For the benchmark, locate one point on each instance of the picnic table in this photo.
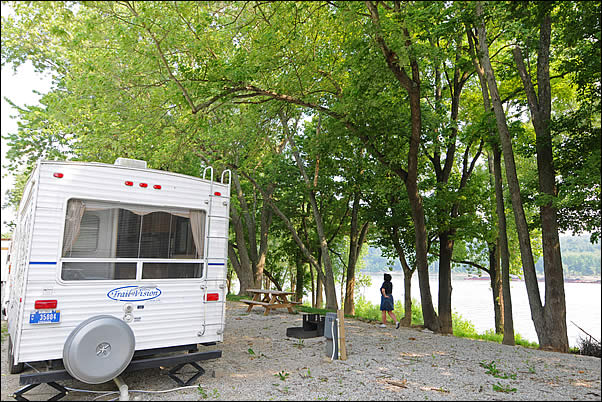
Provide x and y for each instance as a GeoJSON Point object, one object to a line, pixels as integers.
{"type": "Point", "coordinates": [270, 300]}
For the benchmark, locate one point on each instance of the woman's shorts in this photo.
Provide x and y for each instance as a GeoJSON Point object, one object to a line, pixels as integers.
{"type": "Point", "coordinates": [386, 303]}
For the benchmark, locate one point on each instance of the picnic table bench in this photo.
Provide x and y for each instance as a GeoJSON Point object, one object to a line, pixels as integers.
{"type": "Point", "coordinates": [270, 300]}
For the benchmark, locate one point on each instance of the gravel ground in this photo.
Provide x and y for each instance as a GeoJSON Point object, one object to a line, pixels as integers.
{"type": "Point", "coordinates": [382, 364]}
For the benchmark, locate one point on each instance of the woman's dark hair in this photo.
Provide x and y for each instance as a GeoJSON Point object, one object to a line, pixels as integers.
{"type": "Point", "coordinates": [387, 278]}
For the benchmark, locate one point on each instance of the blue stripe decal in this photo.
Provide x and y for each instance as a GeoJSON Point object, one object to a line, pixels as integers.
{"type": "Point", "coordinates": [216, 263]}
{"type": "Point", "coordinates": [41, 263]}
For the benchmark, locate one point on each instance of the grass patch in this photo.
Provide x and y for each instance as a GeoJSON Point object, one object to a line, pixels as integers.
{"type": "Point", "coordinates": [503, 388]}
{"type": "Point", "coordinates": [233, 297]}
{"type": "Point", "coordinates": [4, 330]}
{"type": "Point", "coordinates": [465, 329]}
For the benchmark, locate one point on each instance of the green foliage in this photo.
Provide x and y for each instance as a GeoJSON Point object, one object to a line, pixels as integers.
{"type": "Point", "coordinates": [283, 375]}
{"type": "Point", "coordinates": [493, 370]}
{"type": "Point", "coordinates": [465, 329]}
{"type": "Point", "coordinates": [14, 194]}
{"type": "Point", "coordinates": [503, 388]}
{"type": "Point", "coordinates": [214, 393]}
{"type": "Point", "coordinates": [366, 310]}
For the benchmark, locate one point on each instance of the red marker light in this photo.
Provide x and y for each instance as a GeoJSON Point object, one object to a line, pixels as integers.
{"type": "Point", "coordinates": [143, 185]}
{"type": "Point", "coordinates": [129, 183]}
{"type": "Point", "coordinates": [212, 297]}
{"type": "Point", "coordinates": [58, 175]}
{"type": "Point", "coordinates": [217, 193]}
{"type": "Point", "coordinates": [45, 304]}
{"type": "Point", "coordinates": [157, 187]}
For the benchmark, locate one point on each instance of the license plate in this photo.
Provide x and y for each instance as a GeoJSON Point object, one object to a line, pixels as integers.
{"type": "Point", "coordinates": [47, 317]}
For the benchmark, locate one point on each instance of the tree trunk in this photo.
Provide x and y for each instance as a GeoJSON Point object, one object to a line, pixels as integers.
{"type": "Point", "coordinates": [300, 278]}
{"type": "Point", "coordinates": [356, 240]}
{"type": "Point", "coordinates": [496, 287]}
{"type": "Point", "coordinates": [319, 292]}
{"type": "Point", "coordinates": [513, 185]}
{"type": "Point", "coordinates": [446, 247]}
{"type": "Point", "coordinates": [268, 277]}
{"type": "Point", "coordinates": [407, 278]}
{"type": "Point", "coordinates": [504, 252]}
{"type": "Point", "coordinates": [229, 281]}
{"type": "Point", "coordinates": [246, 242]}
{"type": "Point", "coordinates": [265, 223]}
{"type": "Point", "coordinates": [406, 321]}
{"type": "Point", "coordinates": [313, 286]}
{"type": "Point", "coordinates": [431, 321]}
{"type": "Point", "coordinates": [245, 276]}
{"type": "Point", "coordinates": [249, 254]}
{"type": "Point", "coordinates": [554, 331]}
{"type": "Point", "coordinates": [241, 263]}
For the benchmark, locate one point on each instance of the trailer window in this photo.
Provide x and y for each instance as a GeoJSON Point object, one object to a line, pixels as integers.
{"type": "Point", "coordinates": [73, 271]}
{"type": "Point", "coordinates": [170, 270]}
{"type": "Point", "coordinates": [110, 232]}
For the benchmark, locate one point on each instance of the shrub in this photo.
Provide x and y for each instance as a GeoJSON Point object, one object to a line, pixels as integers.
{"type": "Point", "coordinates": [588, 346]}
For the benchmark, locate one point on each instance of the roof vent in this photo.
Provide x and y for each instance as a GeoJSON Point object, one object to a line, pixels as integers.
{"type": "Point", "coordinates": [134, 163]}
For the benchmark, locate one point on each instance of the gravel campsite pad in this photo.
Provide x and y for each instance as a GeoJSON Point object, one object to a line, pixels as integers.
{"type": "Point", "coordinates": [259, 362]}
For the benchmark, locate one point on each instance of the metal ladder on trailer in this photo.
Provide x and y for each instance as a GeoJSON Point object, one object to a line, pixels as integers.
{"type": "Point", "coordinates": [212, 198]}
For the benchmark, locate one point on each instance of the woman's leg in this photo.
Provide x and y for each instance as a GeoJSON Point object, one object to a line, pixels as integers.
{"type": "Point", "coordinates": [384, 317]}
{"type": "Point", "coordinates": [392, 315]}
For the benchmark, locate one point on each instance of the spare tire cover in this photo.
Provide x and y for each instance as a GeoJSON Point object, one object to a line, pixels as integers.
{"type": "Point", "coordinates": [99, 349]}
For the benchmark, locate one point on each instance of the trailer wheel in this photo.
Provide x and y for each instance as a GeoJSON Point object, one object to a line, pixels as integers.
{"type": "Point", "coordinates": [13, 368]}
{"type": "Point", "coordinates": [99, 349]}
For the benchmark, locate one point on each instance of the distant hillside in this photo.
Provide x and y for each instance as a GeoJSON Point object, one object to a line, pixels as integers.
{"type": "Point", "coordinates": [375, 262]}
{"type": "Point", "coordinates": [579, 258]}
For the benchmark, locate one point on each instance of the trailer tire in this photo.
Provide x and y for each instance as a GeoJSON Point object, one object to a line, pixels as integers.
{"type": "Point", "coordinates": [99, 349]}
{"type": "Point", "coordinates": [13, 368]}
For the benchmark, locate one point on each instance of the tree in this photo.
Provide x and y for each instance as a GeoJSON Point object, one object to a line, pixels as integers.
{"type": "Point", "coordinates": [540, 105]}
{"type": "Point", "coordinates": [551, 332]}
{"type": "Point", "coordinates": [495, 171]}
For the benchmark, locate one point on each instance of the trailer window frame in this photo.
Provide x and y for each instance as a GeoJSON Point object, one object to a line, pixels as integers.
{"type": "Point", "coordinates": [173, 266]}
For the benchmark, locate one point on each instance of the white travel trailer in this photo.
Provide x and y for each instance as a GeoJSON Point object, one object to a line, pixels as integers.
{"type": "Point", "coordinates": [109, 260]}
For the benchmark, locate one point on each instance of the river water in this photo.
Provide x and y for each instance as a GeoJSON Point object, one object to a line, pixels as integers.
{"type": "Point", "coordinates": [471, 298]}
{"type": "Point", "coordinates": [473, 301]}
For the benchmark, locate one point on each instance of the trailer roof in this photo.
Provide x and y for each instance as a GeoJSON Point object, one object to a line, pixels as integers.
{"type": "Point", "coordinates": [99, 164]}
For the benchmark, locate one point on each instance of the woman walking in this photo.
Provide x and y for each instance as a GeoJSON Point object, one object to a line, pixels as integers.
{"type": "Point", "coordinates": [386, 302]}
